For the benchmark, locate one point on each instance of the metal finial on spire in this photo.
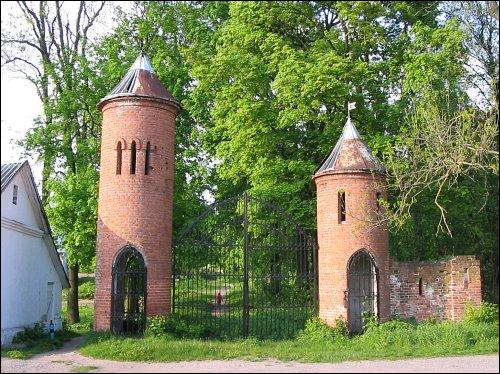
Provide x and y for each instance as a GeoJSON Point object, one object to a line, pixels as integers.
{"type": "Point", "coordinates": [350, 106]}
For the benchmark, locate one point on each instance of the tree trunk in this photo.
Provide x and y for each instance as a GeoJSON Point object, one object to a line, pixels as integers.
{"type": "Point", "coordinates": [73, 312]}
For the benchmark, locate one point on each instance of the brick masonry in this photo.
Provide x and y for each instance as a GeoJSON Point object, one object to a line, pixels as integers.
{"type": "Point", "coordinates": [447, 286]}
{"type": "Point", "coordinates": [339, 241]}
{"type": "Point", "coordinates": [135, 208]}
{"type": "Point", "coordinates": [439, 289]}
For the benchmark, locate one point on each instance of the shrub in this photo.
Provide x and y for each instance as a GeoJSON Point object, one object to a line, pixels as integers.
{"type": "Point", "coordinates": [396, 323]}
{"type": "Point", "coordinates": [30, 334]}
{"type": "Point", "coordinates": [485, 313]}
{"type": "Point", "coordinates": [315, 329]}
{"type": "Point", "coordinates": [86, 290]}
{"type": "Point", "coordinates": [176, 325]}
{"type": "Point", "coordinates": [156, 325]}
{"type": "Point", "coordinates": [431, 320]}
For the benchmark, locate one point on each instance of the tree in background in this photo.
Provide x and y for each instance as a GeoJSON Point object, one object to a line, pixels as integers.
{"type": "Point", "coordinates": [264, 88]}
{"type": "Point", "coordinates": [51, 50]}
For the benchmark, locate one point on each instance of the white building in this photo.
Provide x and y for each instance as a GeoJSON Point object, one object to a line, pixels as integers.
{"type": "Point", "coordinates": [32, 274]}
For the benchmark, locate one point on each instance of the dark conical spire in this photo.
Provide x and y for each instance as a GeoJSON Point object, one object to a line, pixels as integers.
{"type": "Point", "coordinates": [141, 80]}
{"type": "Point", "coordinates": [350, 154]}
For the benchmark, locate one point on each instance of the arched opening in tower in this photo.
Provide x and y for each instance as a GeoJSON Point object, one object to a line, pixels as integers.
{"type": "Point", "coordinates": [362, 283]}
{"type": "Point", "coordinates": [128, 303]}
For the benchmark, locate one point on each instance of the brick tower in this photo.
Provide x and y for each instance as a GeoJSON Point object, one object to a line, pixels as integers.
{"type": "Point", "coordinates": [353, 256]}
{"type": "Point", "coordinates": [134, 229]}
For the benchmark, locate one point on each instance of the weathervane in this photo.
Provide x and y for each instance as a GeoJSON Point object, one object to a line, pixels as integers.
{"type": "Point", "coordinates": [350, 106]}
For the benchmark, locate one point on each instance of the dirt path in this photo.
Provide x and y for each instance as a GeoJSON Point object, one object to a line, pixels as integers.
{"type": "Point", "coordinates": [67, 360]}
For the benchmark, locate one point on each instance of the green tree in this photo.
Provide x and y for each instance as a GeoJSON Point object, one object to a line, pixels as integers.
{"type": "Point", "coordinates": [66, 137]}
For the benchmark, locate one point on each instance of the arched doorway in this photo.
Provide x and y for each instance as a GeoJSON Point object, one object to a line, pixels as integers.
{"type": "Point", "coordinates": [128, 304]}
{"type": "Point", "coordinates": [362, 282]}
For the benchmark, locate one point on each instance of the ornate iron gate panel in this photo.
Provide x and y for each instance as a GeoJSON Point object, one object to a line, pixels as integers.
{"type": "Point", "coordinates": [128, 303]}
{"type": "Point", "coordinates": [244, 267]}
{"type": "Point", "coordinates": [362, 283]}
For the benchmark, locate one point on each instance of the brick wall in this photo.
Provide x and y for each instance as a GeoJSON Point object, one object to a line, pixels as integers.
{"type": "Point", "coordinates": [339, 241]}
{"type": "Point", "coordinates": [446, 287]}
{"type": "Point", "coordinates": [135, 208]}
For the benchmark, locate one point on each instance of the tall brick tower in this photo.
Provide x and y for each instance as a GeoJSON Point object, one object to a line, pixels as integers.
{"type": "Point", "coordinates": [134, 229]}
{"type": "Point", "coordinates": [353, 256]}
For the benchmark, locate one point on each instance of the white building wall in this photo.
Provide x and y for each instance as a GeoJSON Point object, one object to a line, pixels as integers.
{"type": "Point", "coordinates": [26, 269]}
{"type": "Point", "coordinates": [23, 211]}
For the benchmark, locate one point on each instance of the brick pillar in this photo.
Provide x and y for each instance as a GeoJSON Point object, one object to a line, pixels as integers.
{"type": "Point", "coordinates": [339, 241]}
{"type": "Point", "coordinates": [136, 209]}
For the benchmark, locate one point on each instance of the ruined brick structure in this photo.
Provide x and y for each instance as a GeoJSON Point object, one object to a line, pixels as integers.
{"type": "Point", "coordinates": [355, 274]}
{"type": "Point", "coordinates": [135, 189]}
{"type": "Point", "coordinates": [441, 289]}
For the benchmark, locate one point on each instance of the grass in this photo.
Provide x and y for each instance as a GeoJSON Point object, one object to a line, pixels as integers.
{"type": "Point", "coordinates": [391, 340]}
{"type": "Point", "coordinates": [44, 344]}
{"type": "Point", "coordinates": [38, 346]}
{"type": "Point", "coordinates": [442, 339]}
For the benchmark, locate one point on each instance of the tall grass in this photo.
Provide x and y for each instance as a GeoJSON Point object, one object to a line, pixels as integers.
{"type": "Point", "coordinates": [394, 340]}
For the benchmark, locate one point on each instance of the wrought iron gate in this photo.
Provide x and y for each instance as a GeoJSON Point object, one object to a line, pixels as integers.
{"type": "Point", "coordinates": [128, 302]}
{"type": "Point", "coordinates": [362, 284]}
{"type": "Point", "coordinates": [244, 267]}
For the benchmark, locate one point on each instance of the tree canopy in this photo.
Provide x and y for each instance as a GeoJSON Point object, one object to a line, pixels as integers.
{"type": "Point", "coordinates": [264, 88]}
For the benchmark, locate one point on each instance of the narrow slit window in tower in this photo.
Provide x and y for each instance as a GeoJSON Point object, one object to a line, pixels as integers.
{"type": "Point", "coordinates": [148, 157]}
{"type": "Point", "coordinates": [341, 206]}
{"type": "Point", "coordinates": [420, 286]}
{"type": "Point", "coordinates": [378, 202]}
{"type": "Point", "coordinates": [119, 158]}
{"type": "Point", "coordinates": [132, 158]}
{"type": "Point", "coordinates": [466, 279]}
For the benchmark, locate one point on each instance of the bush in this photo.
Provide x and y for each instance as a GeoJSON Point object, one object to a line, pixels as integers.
{"type": "Point", "coordinates": [176, 325]}
{"type": "Point", "coordinates": [315, 329]}
{"type": "Point", "coordinates": [86, 290]}
{"type": "Point", "coordinates": [485, 313]}
{"type": "Point", "coordinates": [156, 325]}
{"type": "Point", "coordinates": [30, 334]}
{"type": "Point", "coordinates": [395, 324]}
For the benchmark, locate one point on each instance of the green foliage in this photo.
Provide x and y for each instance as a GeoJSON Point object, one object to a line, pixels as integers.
{"type": "Point", "coordinates": [156, 325]}
{"type": "Point", "coordinates": [86, 290]}
{"type": "Point", "coordinates": [31, 334]}
{"type": "Point", "coordinates": [405, 340]}
{"type": "Point", "coordinates": [395, 324]}
{"type": "Point", "coordinates": [36, 340]}
{"type": "Point", "coordinates": [86, 321]}
{"type": "Point", "coordinates": [175, 325]}
{"type": "Point", "coordinates": [485, 313]}
{"type": "Point", "coordinates": [316, 330]}
{"type": "Point", "coordinates": [14, 353]}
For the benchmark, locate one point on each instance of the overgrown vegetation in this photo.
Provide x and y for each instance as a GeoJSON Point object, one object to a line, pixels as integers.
{"type": "Point", "coordinates": [34, 340]}
{"type": "Point", "coordinates": [486, 313]}
{"type": "Point", "coordinates": [86, 290]}
{"type": "Point", "coordinates": [315, 343]}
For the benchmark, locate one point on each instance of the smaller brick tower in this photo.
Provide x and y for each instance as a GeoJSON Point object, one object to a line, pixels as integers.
{"type": "Point", "coordinates": [353, 256]}
{"type": "Point", "coordinates": [134, 229]}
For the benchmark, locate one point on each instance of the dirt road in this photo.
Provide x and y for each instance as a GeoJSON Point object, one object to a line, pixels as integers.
{"type": "Point", "coordinates": [68, 360]}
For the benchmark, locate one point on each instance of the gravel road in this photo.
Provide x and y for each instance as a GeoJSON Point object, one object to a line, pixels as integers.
{"type": "Point", "coordinates": [67, 359]}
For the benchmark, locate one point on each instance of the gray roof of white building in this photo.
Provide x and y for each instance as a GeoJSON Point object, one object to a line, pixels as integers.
{"type": "Point", "coordinates": [8, 172]}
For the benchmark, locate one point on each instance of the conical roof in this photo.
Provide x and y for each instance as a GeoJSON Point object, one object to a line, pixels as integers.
{"type": "Point", "coordinates": [140, 80]}
{"type": "Point", "coordinates": [350, 154]}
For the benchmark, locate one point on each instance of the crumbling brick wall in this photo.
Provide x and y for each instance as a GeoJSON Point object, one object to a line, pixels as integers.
{"type": "Point", "coordinates": [440, 289]}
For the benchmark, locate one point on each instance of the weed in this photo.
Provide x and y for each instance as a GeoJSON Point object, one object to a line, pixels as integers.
{"type": "Point", "coordinates": [485, 313]}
